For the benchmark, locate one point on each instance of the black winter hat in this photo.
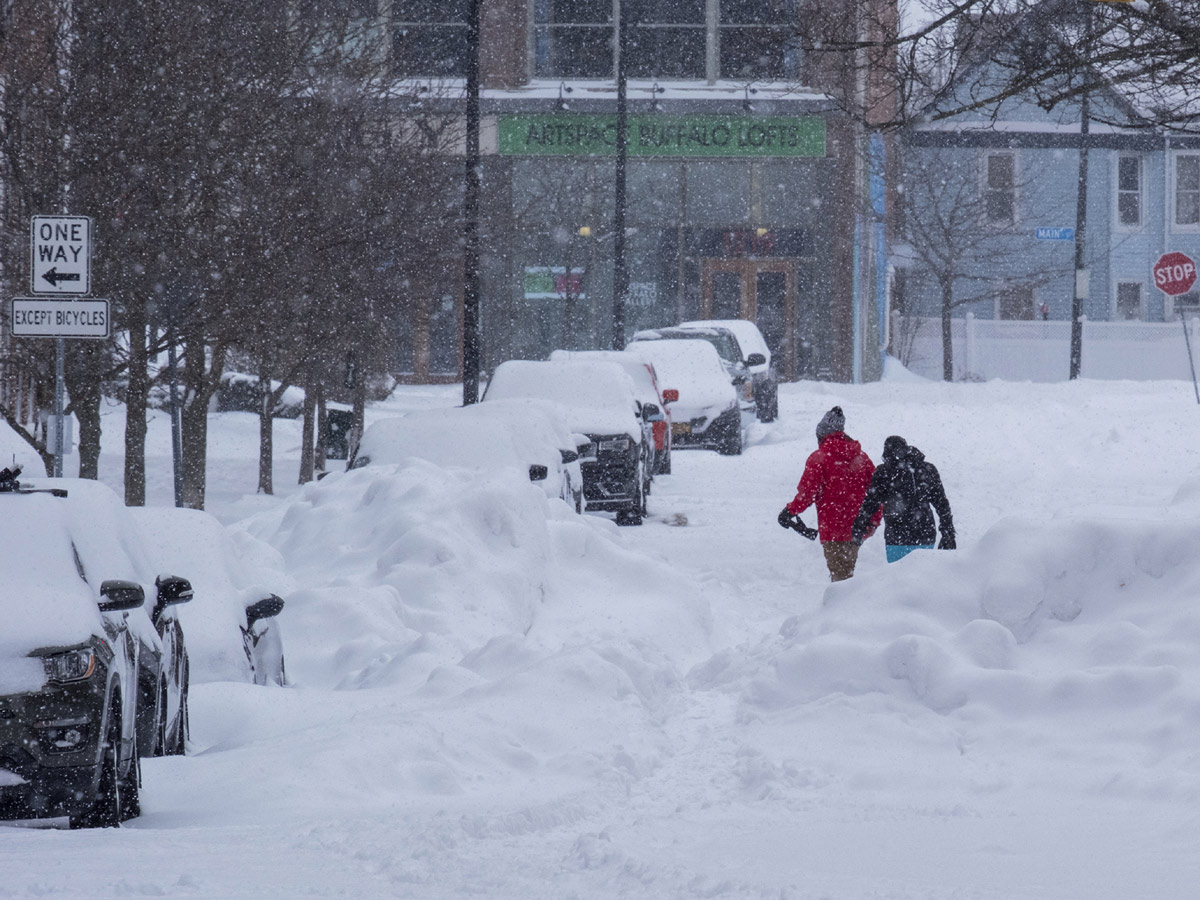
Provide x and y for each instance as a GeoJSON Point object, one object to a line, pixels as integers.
{"type": "Point", "coordinates": [834, 420]}
{"type": "Point", "coordinates": [895, 447]}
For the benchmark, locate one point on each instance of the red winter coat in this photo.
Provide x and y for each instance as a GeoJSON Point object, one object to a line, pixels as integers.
{"type": "Point", "coordinates": [836, 478]}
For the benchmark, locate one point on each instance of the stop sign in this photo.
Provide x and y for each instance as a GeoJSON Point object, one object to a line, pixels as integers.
{"type": "Point", "coordinates": [1175, 273]}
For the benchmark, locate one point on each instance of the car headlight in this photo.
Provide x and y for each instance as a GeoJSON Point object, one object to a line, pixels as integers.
{"type": "Point", "coordinates": [74, 665]}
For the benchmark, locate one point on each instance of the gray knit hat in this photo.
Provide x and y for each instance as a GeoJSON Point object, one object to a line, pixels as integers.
{"type": "Point", "coordinates": [834, 420]}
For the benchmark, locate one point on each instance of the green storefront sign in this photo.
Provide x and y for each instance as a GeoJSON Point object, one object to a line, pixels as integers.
{"type": "Point", "coordinates": [719, 136]}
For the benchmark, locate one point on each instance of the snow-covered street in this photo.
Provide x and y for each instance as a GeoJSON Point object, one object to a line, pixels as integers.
{"type": "Point", "coordinates": [495, 698]}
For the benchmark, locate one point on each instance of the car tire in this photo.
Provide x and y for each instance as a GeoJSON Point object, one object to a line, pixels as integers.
{"type": "Point", "coordinates": [129, 799]}
{"type": "Point", "coordinates": [161, 735]}
{"type": "Point", "coordinates": [634, 516]}
{"type": "Point", "coordinates": [730, 443]}
{"type": "Point", "coordinates": [106, 809]}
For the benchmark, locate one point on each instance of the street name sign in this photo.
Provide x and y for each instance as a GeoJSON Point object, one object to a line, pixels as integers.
{"type": "Point", "coordinates": [42, 317]}
{"type": "Point", "coordinates": [61, 255]}
{"type": "Point", "coordinates": [1054, 234]}
{"type": "Point", "coordinates": [1174, 273]}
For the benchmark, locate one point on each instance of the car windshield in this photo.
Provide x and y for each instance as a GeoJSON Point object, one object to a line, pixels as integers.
{"type": "Point", "coordinates": [725, 345]}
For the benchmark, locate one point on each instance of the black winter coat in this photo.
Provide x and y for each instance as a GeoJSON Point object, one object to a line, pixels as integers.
{"type": "Point", "coordinates": [909, 489]}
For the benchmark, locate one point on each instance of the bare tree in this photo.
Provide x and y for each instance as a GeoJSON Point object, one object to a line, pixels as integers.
{"type": "Point", "coordinates": [958, 236]}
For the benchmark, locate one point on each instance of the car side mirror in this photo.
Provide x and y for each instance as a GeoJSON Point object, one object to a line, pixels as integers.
{"type": "Point", "coordinates": [268, 606]}
{"type": "Point", "coordinates": [651, 412]}
{"type": "Point", "coordinates": [538, 472]}
{"type": "Point", "coordinates": [117, 595]}
{"type": "Point", "coordinates": [756, 359]}
{"type": "Point", "coordinates": [173, 589]}
{"type": "Point", "coordinates": [670, 395]}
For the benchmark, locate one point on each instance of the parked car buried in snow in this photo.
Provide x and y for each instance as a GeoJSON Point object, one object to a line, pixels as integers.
{"type": "Point", "coordinates": [599, 400]}
{"type": "Point", "coordinates": [87, 685]}
{"type": "Point", "coordinates": [654, 410]}
{"type": "Point", "coordinates": [743, 352]}
{"type": "Point", "coordinates": [526, 439]}
{"type": "Point", "coordinates": [704, 405]}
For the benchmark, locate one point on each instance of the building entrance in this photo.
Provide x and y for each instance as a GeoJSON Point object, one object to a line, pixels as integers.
{"type": "Point", "coordinates": [761, 290]}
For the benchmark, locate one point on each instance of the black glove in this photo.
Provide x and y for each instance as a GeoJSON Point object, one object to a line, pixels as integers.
{"type": "Point", "coordinates": [785, 518]}
{"type": "Point", "coordinates": [804, 530]}
{"type": "Point", "coordinates": [947, 541]}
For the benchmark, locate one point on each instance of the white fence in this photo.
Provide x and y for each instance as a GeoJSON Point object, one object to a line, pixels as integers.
{"type": "Point", "coordinates": [1040, 350]}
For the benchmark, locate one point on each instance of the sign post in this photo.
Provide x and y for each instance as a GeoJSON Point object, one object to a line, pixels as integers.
{"type": "Point", "coordinates": [1175, 274]}
{"type": "Point", "coordinates": [60, 264]}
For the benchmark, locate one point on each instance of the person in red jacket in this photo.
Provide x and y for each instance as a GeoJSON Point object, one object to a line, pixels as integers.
{"type": "Point", "coordinates": [836, 477]}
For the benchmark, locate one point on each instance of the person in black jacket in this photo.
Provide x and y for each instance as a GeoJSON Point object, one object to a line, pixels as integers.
{"type": "Point", "coordinates": [910, 491]}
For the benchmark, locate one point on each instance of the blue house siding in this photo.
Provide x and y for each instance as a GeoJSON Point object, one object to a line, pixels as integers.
{"type": "Point", "coordinates": [1007, 265]}
{"type": "Point", "coordinates": [1047, 165]}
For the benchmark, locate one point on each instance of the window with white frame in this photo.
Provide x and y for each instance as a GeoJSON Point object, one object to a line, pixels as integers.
{"type": "Point", "coordinates": [999, 189]}
{"type": "Point", "coordinates": [666, 38]}
{"type": "Point", "coordinates": [429, 37]}
{"type": "Point", "coordinates": [1129, 301]}
{"type": "Point", "coordinates": [1129, 191]}
{"type": "Point", "coordinates": [1187, 189]}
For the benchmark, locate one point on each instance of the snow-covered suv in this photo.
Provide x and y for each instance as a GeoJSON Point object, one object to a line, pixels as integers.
{"type": "Point", "coordinates": [744, 353]}
{"type": "Point", "coordinates": [86, 683]}
{"type": "Point", "coordinates": [600, 401]}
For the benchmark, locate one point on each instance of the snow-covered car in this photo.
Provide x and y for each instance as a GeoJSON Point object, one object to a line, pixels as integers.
{"type": "Point", "coordinates": [233, 630]}
{"type": "Point", "coordinates": [654, 411]}
{"type": "Point", "coordinates": [704, 405]}
{"type": "Point", "coordinates": [87, 685]}
{"type": "Point", "coordinates": [743, 352]}
{"type": "Point", "coordinates": [527, 439]}
{"type": "Point", "coordinates": [600, 401]}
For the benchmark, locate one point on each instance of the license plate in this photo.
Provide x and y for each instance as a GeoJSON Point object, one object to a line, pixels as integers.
{"type": "Point", "coordinates": [681, 428]}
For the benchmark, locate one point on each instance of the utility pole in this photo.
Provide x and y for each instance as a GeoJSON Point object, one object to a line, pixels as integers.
{"type": "Point", "coordinates": [1082, 276]}
{"type": "Point", "coordinates": [620, 273]}
{"type": "Point", "coordinates": [471, 342]}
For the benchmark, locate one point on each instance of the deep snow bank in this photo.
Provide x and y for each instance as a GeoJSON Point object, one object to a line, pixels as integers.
{"type": "Point", "coordinates": [1091, 624]}
{"type": "Point", "coordinates": [423, 577]}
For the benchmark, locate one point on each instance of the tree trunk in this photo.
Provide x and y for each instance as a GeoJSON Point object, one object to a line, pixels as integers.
{"type": "Point", "coordinates": [135, 414]}
{"type": "Point", "coordinates": [265, 436]}
{"type": "Point", "coordinates": [309, 427]}
{"type": "Point", "coordinates": [947, 343]}
{"type": "Point", "coordinates": [356, 427]}
{"type": "Point", "coordinates": [320, 457]}
{"type": "Point", "coordinates": [201, 378]}
{"type": "Point", "coordinates": [82, 376]}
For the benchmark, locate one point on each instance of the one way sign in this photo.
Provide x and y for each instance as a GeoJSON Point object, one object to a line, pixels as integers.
{"type": "Point", "coordinates": [61, 248]}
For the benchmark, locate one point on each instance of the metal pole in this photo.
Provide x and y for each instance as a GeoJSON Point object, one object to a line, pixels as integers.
{"type": "Point", "coordinates": [471, 342]}
{"type": "Point", "coordinates": [1192, 365]}
{"type": "Point", "coordinates": [1082, 286]}
{"type": "Point", "coordinates": [620, 273]}
{"type": "Point", "coordinates": [59, 391]}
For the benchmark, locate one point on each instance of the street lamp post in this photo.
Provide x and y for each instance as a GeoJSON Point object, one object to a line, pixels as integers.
{"type": "Point", "coordinates": [1082, 286]}
{"type": "Point", "coordinates": [620, 273]}
{"type": "Point", "coordinates": [471, 342]}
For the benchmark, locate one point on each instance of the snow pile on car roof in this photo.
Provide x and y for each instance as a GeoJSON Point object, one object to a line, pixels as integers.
{"type": "Point", "coordinates": [423, 577]}
{"type": "Point", "coordinates": [691, 367]}
{"type": "Point", "coordinates": [597, 397]}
